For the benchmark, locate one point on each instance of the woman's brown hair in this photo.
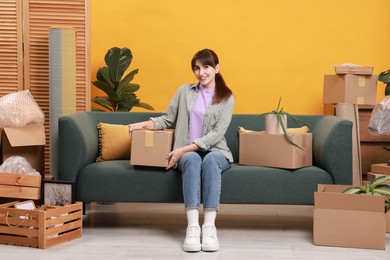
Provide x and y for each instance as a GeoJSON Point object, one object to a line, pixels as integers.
{"type": "Point", "coordinates": [209, 57]}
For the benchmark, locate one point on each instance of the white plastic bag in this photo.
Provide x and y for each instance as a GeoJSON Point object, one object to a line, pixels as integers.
{"type": "Point", "coordinates": [380, 118]}
{"type": "Point", "coordinates": [17, 164]}
{"type": "Point", "coordinates": [19, 109]}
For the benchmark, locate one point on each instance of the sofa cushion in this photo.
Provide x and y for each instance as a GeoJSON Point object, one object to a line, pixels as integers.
{"type": "Point", "coordinates": [114, 142]}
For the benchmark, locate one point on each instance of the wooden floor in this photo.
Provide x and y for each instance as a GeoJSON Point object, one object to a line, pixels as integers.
{"type": "Point", "coordinates": [156, 231]}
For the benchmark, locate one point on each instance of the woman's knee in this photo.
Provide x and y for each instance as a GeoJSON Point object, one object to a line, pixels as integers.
{"type": "Point", "coordinates": [190, 159]}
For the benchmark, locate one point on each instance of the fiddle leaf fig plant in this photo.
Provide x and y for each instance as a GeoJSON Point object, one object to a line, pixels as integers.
{"type": "Point", "coordinates": [279, 112]}
{"type": "Point", "coordinates": [374, 187]}
{"type": "Point", "coordinates": [384, 77]}
{"type": "Point", "coordinates": [118, 88]}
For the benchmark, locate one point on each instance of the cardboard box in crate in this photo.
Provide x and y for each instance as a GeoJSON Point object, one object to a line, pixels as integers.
{"type": "Point", "coordinates": [20, 186]}
{"type": "Point", "coordinates": [40, 228]}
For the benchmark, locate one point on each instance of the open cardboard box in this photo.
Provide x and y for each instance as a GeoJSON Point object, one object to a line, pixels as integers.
{"type": "Point", "coordinates": [348, 220]}
{"type": "Point", "coordinates": [28, 142]}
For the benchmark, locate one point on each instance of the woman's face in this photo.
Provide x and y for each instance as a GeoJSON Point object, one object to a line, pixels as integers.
{"type": "Point", "coordinates": [205, 74]}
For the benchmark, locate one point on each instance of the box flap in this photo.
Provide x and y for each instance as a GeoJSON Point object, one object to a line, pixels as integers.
{"type": "Point", "coordinates": [25, 136]}
{"type": "Point", "coordinates": [355, 202]}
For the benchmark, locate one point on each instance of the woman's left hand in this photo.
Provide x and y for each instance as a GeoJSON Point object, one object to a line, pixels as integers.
{"type": "Point", "coordinates": [173, 157]}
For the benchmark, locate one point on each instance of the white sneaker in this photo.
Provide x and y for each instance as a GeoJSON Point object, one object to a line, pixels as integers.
{"type": "Point", "coordinates": [192, 240]}
{"type": "Point", "coordinates": [209, 238]}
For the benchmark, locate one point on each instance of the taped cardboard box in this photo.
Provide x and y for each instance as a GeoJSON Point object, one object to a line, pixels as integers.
{"type": "Point", "coordinates": [353, 89]}
{"type": "Point", "coordinates": [150, 148]}
{"type": "Point", "coordinates": [273, 150]}
{"type": "Point", "coordinates": [348, 220]}
{"type": "Point", "coordinates": [28, 142]}
{"type": "Point", "coordinates": [356, 70]}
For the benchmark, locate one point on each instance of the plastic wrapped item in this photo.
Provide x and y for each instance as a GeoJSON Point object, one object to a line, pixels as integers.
{"type": "Point", "coordinates": [380, 118]}
{"type": "Point", "coordinates": [17, 164]}
{"type": "Point", "coordinates": [19, 109]}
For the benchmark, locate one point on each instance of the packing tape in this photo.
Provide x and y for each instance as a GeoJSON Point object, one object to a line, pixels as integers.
{"type": "Point", "coordinates": [362, 81]}
{"type": "Point", "coordinates": [148, 138]}
{"type": "Point", "coordinates": [360, 100]}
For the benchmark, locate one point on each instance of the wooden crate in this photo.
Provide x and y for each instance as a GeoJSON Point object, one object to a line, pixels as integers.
{"type": "Point", "coordinates": [40, 228]}
{"type": "Point", "coordinates": [20, 186]}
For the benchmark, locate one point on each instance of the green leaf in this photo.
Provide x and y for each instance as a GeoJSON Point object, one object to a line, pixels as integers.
{"type": "Point", "coordinates": [118, 60]}
{"type": "Point", "coordinates": [144, 105]}
{"type": "Point", "coordinates": [102, 101]}
{"type": "Point", "coordinates": [103, 74]}
{"type": "Point", "coordinates": [295, 119]}
{"type": "Point", "coordinates": [384, 76]}
{"type": "Point", "coordinates": [105, 87]}
{"type": "Point", "coordinates": [280, 119]}
{"type": "Point", "coordinates": [387, 89]}
{"type": "Point", "coordinates": [129, 77]}
{"type": "Point", "coordinates": [379, 180]}
{"type": "Point", "coordinates": [354, 190]}
{"type": "Point", "coordinates": [382, 189]}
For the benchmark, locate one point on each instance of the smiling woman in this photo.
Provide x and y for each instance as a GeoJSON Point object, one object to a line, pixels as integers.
{"type": "Point", "coordinates": [268, 48]}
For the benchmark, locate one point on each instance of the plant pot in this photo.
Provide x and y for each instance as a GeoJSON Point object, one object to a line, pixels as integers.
{"type": "Point", "coordinates": [272, 125]}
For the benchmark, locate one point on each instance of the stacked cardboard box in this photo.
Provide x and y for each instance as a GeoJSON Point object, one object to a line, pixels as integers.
{"type": "Point", "coordinates": [350, 84]}
{"type": "Point", "coordinates": [378, 170]}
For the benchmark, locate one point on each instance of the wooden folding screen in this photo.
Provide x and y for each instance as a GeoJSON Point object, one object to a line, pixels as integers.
{"type": "Point", "coordinates": [24, 50]}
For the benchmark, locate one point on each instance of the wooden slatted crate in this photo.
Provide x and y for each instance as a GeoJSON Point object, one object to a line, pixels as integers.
{"type": "Point", "coordinates": [40, 228]}
{"type": "Point", "coordinates": [20, 186]}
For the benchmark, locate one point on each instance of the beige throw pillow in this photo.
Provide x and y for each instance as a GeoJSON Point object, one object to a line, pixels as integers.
{"type": "Point", "coordinates": [114, 142]}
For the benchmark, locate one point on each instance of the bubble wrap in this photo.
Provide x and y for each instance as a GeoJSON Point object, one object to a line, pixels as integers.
{"type": "Point", "coordinates": [19, 109]}
{"type": "Point", "coordinates": [380, 118]}
{"type": "Point", "coordinates": [17, 164]}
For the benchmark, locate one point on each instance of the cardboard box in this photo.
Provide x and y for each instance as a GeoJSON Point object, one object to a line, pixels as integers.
{"type": "Point", "coordinates": [20, 186]}
{"type": "Point", "coordinates": [28, 142]}
{"type": "Point", "coordinates": [150, 148]}
{"type": "Point", "coordinates": [40, 228]}
{"type": "Point", "coordinates": [273, 150]}
{"type": "Point", "coordinates": [348, 220]}
{"type": "Point", "coordinates": [356, 70]}
{"type": "Point", "coordinates": [373, 175]}
{"type": "Point", "coordinates": [354, 89]}
{"type": "Point", "coordinates": [380, 168]}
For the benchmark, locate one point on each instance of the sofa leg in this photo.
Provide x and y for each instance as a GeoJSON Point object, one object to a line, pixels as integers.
{"type": "Point", "coordinates": [84, 208]}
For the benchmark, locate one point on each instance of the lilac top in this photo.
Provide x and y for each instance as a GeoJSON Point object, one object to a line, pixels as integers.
{"type": "Point", "coordinates": [198, 112]}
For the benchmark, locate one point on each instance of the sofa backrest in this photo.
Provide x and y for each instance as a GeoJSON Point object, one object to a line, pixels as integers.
{"type": "Point", "coordinates": [248, 121]}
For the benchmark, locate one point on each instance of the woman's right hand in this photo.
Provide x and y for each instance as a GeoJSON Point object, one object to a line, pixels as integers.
{"type": "Point", "coordinates": [148, 125]}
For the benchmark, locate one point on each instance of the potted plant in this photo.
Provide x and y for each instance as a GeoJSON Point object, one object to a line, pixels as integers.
{"type": "Point", "coordinates": [384, 77]}
{"type": "Point", "coordinates": [374, 187]}
{"type": "Point", "coordinates": [120, 91]}
{"type": "Point", "coordinates": [278, 118]}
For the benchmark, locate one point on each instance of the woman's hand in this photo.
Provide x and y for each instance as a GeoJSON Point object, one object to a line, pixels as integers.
{"type": "Point", "coordinates": [176, 154]}
{"type": "Point", "coordinates": [173, 157]}
{"type": "Point", "coordinates": [148, 125]}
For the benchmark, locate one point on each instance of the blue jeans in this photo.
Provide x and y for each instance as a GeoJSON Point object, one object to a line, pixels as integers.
{"type": "Point", "coordinates": [201, 173]}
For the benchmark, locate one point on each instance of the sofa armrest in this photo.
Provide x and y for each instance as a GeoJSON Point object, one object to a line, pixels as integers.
{"type": "Point", "coordinates": [77, 144]}
{"type": "Point", "coordinates": [332, 147]}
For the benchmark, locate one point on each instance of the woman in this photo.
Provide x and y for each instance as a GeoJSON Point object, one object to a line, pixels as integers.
{"type": "Point", "coordinates": [201, 114]}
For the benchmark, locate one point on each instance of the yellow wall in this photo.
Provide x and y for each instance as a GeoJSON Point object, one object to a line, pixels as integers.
{"type": "Point", "coordinates": [267, 49]}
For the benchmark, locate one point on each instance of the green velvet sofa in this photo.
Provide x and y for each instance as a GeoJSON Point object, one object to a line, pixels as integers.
{"type": "Point", "coordinates": [118, 181]}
